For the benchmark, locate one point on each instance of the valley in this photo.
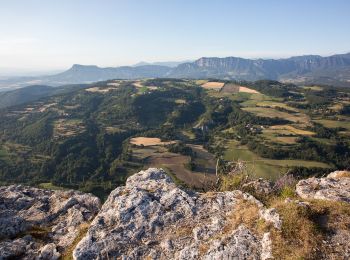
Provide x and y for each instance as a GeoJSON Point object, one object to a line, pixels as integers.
{"type": "Point", "coordinates": [95, 136]}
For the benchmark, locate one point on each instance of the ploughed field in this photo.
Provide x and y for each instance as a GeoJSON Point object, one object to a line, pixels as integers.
{"type": "Point", "coordinates": [151, 152]}
{"type": "Point", "coordinates": [95, 136]}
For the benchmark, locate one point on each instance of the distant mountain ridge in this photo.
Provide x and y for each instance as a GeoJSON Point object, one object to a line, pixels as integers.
{"type": "Point", "coordinates": [171, 64]}
{"type": "Point", "coordinates": [308, 69]}
{"type": "Point", "coordinates": [85, 74]}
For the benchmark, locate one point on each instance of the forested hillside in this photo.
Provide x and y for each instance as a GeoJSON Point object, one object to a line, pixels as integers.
{"type": "Point", "coordinates": [85, 139]}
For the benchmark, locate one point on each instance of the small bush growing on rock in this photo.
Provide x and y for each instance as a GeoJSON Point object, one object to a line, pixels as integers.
{"type": "Point", "coordinates": [232, 182]}
{"type": "Point", "coordinates": [287, 192]}
{"type": "Point", "coordinates": [287, 180]}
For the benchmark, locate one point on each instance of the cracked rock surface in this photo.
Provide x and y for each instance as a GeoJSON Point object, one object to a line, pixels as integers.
{"type": "Point", "coordinates": [334, 187]}
{"type": "Point", "coordinates": [41, 224]}
{"type": "Point", "coordinates": [151, 218]}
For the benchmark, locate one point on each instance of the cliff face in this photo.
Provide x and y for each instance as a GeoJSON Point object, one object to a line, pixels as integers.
{"type": "Point", "coordinates": [151, 218]}
{"type": "Point", "coordinates": [306, 69]}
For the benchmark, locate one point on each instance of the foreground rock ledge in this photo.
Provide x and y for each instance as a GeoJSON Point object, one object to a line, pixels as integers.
{"type": "Point", "coordinates": [41, 224]}
{"type": "Point", "coordinates": [151, 218]}
{"type": "Point", "coordinates": [334, 187]}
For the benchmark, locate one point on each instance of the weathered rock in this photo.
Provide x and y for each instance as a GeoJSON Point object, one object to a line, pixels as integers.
{"type": "Point", "coordinates": [339, 174]}
{"type": "Point", "coordinates": [152, 218]}
{"type": "Point", "coordinates": [40, 224]}
{"type": "Point", "coordinates": [49, 251]}
{"type": "Point", "coordinates": [334, 187]}
{"type": "Point", "coordinates": [259, 186]}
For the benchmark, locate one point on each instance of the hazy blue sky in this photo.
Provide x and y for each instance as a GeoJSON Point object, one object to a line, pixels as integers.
{"type": "Point", "coordinates": [45, 35]}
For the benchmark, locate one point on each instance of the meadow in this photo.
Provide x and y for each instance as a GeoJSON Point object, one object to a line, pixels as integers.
{"type": "Point", "coordinates": [264, 167]}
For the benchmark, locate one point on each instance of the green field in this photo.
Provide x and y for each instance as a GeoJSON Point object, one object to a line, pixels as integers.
{"type": "Point", "coordinates": [50, 186]}
{"type": "Point", "coordinates": [262, 167]}
{"type": "Point", "coordinates": [273, 104]}
{"type": "Point", "coordinates": [284, 134]}
{"type": "Point", "coordinates": [333, 123]}
{"type": "Point", "coordinates": [272, 113]}
{"type": "Point", "coordinates": [189, 134]}
{"type": "Point", "coordinates": [314, 88]}
{"type": "Point", "coordinates": [3, 154]}
{"type": "Point", "coordinates": [253, 99]}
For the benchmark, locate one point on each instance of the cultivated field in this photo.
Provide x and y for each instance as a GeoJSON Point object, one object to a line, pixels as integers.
{"type": "Point", "coordinates": [204, 161]}
{"type": "Point", "coordinates": [248, 90]}
{"type": "Point", "coordinates": [230, 88]}
{"type": "Point", "coordinates": [175, 163]}
{"type": "Point", "coordinates": [314, 88]}
{"type": "Point", "coordinates": [138, 84]}
{"type": "Point", "coordinates": [14, 153]}
{"type": "Point", "coordinates": [273, 104]}
{"type": "Point", "coordinates": [158, 156]}
{"type": "Point", "coordinates": [180, 101]}
{"type": "Point", "coordinates": [262, 167]}
{"type": "Point", "coordinates": [213, 85]}
{"type": "Point", "coordinates": [99, 90]}
{"type": "Point", "coordinates": [288, 129]}
{"type": "Point", "coordinates": [234, 88]}
{"type": "Point", "coordinates": [334, 123]}
{"type": "Point", "coordinates": [148, 141]}
{"type": "Point", "coordinates": [64, 128]}
{"type": "Point", "coordinates": [143, 88]}
{"type": "Point", "coordinates": [272, 113]}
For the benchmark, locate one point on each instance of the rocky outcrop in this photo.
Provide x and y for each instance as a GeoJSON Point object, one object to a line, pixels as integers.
{"type": "Point", "coordinates": [41, 224]}
{"type": "Point", "coordinates": [259, 186]}
{"type": "Point", "coordinates": [151, 218]}
{"type": "Point", "coordinates": [334, 187]}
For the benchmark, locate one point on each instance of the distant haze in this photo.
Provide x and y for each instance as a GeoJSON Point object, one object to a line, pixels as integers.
{"type": "Point", "coordinates": [310, 69]}
{"type": "Point", "coordinates": [53, 35]}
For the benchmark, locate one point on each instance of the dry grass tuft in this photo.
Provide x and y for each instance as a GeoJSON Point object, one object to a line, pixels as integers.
{"type": "Point", "coordinates": [305, 227]}
{"type": "Point", "coordinates": [298, 237]}
{"type": "Point", "coordinates": [232, 182]}
{"type": "Point", "coordinates": [246, 213]}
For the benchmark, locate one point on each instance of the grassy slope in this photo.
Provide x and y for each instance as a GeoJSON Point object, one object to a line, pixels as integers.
{"type": "Point", "coordinates": [262, 167]}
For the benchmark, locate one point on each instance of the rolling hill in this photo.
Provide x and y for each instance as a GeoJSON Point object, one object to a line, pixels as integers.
{"type": "Point", "coordinates": [32, 93]}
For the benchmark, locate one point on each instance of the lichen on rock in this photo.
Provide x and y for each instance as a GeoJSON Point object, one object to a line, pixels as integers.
{"type": "Point", "coordinates": [334, 187]}
{"type": "Point", "coordinates": [40, 224]}
{"type": "Point", "coordinates": [150, 217]}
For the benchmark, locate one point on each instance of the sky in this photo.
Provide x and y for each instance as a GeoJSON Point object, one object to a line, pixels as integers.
{"type": "Point", "coordinates": [38, 35]}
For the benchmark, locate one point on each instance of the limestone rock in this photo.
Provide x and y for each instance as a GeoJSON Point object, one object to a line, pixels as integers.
{"type": "Point", "coordinates": [259, 186]}
{"type": "Point", "coordinates": [151, 218]}
{"type": "Point", "coordinates": [334, 187]}
{"type": "Point", "coordinates": [40, 224]}
{"type": "Point", "coordinates": [339, 174]}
